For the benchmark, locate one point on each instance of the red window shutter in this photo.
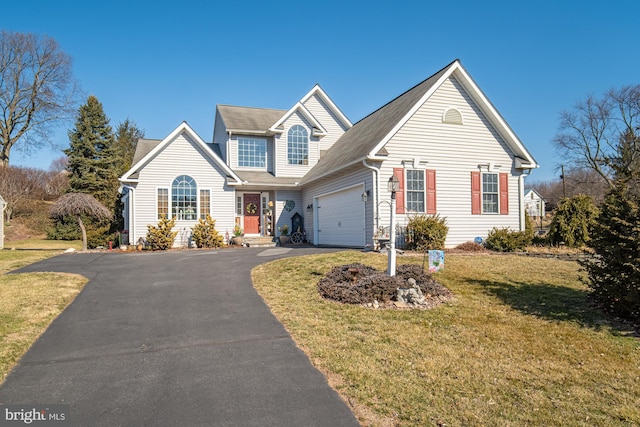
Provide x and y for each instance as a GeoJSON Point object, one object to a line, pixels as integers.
{"type": "Point", "coordinates": [431, 191]}
{"type": "Point", "coordinates": [476, 193]}
{"type": "Point", "coordinates": [399, 173]}
{"type": "Point", "coordinates": [504, 194]}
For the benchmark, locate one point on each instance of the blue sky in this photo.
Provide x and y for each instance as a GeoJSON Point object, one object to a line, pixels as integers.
{"type": "Point", "coordinates": [159, 63]}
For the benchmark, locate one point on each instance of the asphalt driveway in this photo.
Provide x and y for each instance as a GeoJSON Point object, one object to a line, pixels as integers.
{"type": "Point", "coordinates": [168, 339]}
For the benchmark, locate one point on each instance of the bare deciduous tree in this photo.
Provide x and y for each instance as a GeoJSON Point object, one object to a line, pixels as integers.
{"type": "Point", "coordinates": [592, 133]}
{"type": "Point", "coordinates": [37, 90]}
{"type": "Point", "coordinates": [78, 205]}
{"type": "Point", "coordinates": [20, 184]}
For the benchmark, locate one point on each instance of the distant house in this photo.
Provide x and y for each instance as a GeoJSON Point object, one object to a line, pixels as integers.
{"type": "Point", "coordinates": [3, 204]}
{"type": "Point", "coordinates": [534, 203]}
{"type": "Point", "coordinates": [452, 151]}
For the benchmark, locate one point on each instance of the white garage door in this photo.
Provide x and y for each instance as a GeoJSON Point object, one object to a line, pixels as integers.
{"type": "Point", "coordinates": [341, 218]}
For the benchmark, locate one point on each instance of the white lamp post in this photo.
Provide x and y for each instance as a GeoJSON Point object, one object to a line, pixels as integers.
{"type": "Point", "coordinates": [393, 185]}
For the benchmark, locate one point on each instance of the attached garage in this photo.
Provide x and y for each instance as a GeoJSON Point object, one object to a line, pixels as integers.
{"type": "Point", "coordinates": [340, 218]}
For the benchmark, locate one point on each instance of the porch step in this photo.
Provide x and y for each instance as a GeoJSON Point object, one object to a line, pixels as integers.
{"type": "Point", "coordinates": [259, 242]}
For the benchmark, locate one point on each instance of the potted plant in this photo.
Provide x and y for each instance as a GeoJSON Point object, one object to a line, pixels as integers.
{"type": "Point", "coordinates": [237, 235]}
{"type": "Point", "coordinates": [284, 234]}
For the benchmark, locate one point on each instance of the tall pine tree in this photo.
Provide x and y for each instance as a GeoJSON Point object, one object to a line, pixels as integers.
{"type": "Point", "coordinates": [92, 157]}
{"type": "Point", "coordinates": [92, 166]}
{"type": "Point", "coordinates": [614, 273]}
{"type": "Point", "coordinates": [126, 140]}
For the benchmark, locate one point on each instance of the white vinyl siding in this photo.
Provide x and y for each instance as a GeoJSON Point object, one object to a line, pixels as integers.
{"type": "Point", "coordinates": [454, 151]}
{"type": "Point", "coordinates": [182, 156]}
{"type": "Point", "coordinates": [334, 126]}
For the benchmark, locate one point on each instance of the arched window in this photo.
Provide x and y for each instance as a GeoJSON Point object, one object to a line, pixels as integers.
{"type": "Point", "coordinates": [184, 199]}
{"type": "Point", "coordinates": [298, 146]}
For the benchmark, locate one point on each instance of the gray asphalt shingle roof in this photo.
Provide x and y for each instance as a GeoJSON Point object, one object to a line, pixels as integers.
{"type": "Point", "coordinates": [250, 119]}
{"type": "Point", "coordinates": [357, 142]}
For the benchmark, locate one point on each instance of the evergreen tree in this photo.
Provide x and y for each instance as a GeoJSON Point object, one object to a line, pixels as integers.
{"type": "Point", "coordinates": [92, 166]}
{"type": "Point", "coordinates": [614, 273]}
{"type": "Point", "coordinates": [126, 140]}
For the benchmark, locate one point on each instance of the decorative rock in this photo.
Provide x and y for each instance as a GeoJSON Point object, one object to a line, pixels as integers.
{"type": "Point", "coordinates": [69, 251]}
{"type": "Point", "coordinates": [412, 295]}
{"type": "Point", "coordinates": [376, 304]}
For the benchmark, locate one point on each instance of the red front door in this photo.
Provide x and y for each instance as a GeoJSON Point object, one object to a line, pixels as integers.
{"type": "Point", "coordinates": [251, 211]}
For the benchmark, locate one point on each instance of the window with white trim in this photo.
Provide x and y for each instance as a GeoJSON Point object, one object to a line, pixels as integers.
{"type": "Point", "coordinates": [298, 146]}
{"type": "Point", "coordinates": [163, 202]}
{"type": "Point", "coordinates": [252, 152]}
{"type": "Point", "coordinates": [415, 190]}
{"type": "Point", "coordinates": [490, 193]}
{"type": "Point", "coordinates": [205, 203]}
{"type": "Point", "coordinates": [239, 205]}
{"type": "Point", "coordinates": [184, 198]}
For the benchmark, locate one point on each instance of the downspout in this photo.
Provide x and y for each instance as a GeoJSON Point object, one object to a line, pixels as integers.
{"type": "Point", "coordinates": [521, 197]}
{"type": "Point", "coordinates": [131, 215]}
{"type": "Point", "coordinates": [375, 195]}
{"type": "Point", "coordinates": [227, 148]}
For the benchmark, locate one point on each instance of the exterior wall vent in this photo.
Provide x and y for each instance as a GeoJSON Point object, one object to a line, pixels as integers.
{"type": "Point", "coordinates": [452, 116]}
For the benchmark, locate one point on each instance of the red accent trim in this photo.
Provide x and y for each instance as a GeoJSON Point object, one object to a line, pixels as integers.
{"type": "Point", "coordinates": [399, 173]}
{"type": "Point", "coordinates": [431, 191]}
{"type": "Point", "coordinates": [504, 194]}
{"type": "Point", "coordinates": [476, 194]}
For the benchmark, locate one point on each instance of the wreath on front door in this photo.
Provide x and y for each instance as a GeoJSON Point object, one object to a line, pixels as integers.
{"type": "Point", "coordinates": [251, 208]}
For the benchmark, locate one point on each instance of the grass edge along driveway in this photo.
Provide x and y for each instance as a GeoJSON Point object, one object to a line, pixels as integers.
{"type": "Point", "coordinates": [520, 345]}
{"type": "Point", "coordinates": [29, 302]}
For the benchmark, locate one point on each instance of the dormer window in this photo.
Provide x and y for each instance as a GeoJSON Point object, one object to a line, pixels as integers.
{"type": "Point", "coordinates": [298, 146]}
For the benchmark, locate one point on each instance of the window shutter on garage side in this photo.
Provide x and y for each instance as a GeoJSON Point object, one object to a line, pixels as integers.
{"type": "Point", "coordinates": [399, 173]}
{"type": "Point", "coordinates": [504, 194]}
{"type": "Point", "coordinates": [476, 194]}
{"type": "Point", "coordinates": [431, 191]}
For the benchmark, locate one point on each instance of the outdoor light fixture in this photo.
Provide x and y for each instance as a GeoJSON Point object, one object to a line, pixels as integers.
{"type": "Point", "coordinates": [365, 196]}
{"type": "Point", "coordinates": [393, 186]}
{"type": "Point", "coordinates": [309, 207]}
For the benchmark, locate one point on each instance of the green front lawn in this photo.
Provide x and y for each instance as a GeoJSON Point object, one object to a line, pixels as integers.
{"type": "Point", "coordinates": [520, 345]}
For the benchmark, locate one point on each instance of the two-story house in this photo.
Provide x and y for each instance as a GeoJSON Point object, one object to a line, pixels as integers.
{"type": "Point", "coordinates": [453, 153]}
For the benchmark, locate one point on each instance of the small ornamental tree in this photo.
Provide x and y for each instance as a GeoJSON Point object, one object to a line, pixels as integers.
{"type": "Point", "coordinates": [205, 234]}
{"type": "Point", "coordinates": [161, 238]}
{"type": "Point", "coordinates": [80, 205]}
{"type": "Point", "coordinates": [572, 221]}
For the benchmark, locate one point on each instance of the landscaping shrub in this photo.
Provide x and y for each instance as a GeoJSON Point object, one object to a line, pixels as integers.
{"type": "Point", "coordinates": [572, 221]}
{"type": "Point", "coordinates": [506, 240]}
{"type": "Point", "coordinates": [362, 284]}
{"type": "Point", "coordinates": [161, 238]}
{"type": "Point", "coordinates": [471, 247]}
{"type": "Point", "coordinates": [426, 232]}
{"type": "Point", "coordinates": [205, 234]}
{"type": "Point", "coordinates": [529, 228]}
{"type": "Point", "coordinates": [66, 228]}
